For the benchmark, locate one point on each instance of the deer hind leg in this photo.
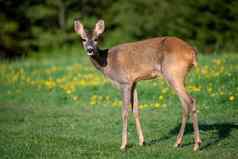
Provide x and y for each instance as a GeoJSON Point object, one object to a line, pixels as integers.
{"type": "Point", "coordinates": [191, 105]}
{"type": "Point", "coordinates": [176, 81]}
{"type": "Point", "coordinates": [185, 112]}
{"type": "Point", "coordinates": [136, 112]}
{"type": "Point", "coordinates": [197, 138]}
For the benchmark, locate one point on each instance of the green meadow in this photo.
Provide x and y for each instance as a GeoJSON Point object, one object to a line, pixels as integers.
{"type": "Point", "coordinates": [60, 106]}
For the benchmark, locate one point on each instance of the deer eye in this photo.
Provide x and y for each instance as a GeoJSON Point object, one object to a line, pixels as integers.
{"type": "Point", "coordinates": [96, 40]}
{"type": "Point", "coordinates": [84, 40]}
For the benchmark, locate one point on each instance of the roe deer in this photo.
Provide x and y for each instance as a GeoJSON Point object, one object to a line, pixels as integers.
{"type": "Point", "coordinates": [128, 63]}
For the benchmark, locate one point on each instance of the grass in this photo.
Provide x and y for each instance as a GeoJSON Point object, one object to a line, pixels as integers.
{"type": "Point", "coordinates": [61, 107]}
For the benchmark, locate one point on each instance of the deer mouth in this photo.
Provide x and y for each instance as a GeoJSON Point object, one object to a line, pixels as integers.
{"type": "Point", "coordinates": [90, 53]}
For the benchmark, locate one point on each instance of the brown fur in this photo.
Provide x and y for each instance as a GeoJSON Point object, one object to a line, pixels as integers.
{"type": "Point", "coordinates": [131, 62]}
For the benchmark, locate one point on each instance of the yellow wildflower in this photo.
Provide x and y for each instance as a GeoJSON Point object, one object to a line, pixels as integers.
{"type": "Point", "coordinates": [209, 89]}
{"type": "Point", "coordinates": [221, 93]}
{"type": "Point", "coordinates": [75, 98]}
{"type": "Point", "coordinates": [231, 98]}
{"type": "Point", "coordinates": [161, 97]}
{"type": "Point", "coordinates": [157, 105]}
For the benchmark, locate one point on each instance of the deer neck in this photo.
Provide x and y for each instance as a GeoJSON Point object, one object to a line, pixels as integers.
{"type": "Point", "coordinates": [99, 60]}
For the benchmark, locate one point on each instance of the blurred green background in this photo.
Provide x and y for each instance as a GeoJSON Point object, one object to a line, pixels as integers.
{"type": "Point", "coordinates": [35, 25]}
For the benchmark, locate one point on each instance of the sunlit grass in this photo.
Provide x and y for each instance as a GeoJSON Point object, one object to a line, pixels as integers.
{"type": "Point", "coordinates": [64, 107]}
{"type": "Point", "coordinates": [69, 78]}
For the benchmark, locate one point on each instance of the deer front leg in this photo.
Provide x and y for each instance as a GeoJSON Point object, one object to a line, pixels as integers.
{"type": "Point", "coordinates": [136, 112]}
{"type": "Point", "coordinates": [126, 95]}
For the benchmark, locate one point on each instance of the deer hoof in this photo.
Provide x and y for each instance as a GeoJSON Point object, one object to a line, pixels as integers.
{"type": "Point", "coordinates": [123, 147]}
{"type": "Point", "coordinates": [196, 146]}
{"type": "Point", "coordinates": [177, 145]}
{"type": "Point", "coordinates": [141, 143]}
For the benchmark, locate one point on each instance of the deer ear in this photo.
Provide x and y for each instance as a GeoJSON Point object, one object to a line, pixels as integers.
{"type": "Point", "coordinates": [78, 28]}
{"type": "Point", "coordinates": [99, 27]}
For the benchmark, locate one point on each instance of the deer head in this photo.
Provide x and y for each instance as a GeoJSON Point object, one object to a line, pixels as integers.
{"type": "Point", "coordinates": [89, 39]}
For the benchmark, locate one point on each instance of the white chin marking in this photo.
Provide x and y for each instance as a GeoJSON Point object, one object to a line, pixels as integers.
{"type": "Point", "coordinates": [90, 53]}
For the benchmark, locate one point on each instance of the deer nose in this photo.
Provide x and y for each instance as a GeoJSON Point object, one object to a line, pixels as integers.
{"type": "Point", "coordinates": [90, 49]}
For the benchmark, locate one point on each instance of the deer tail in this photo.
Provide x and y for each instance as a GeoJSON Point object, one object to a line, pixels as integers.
{"type": "Point", "coordinates": [194, 56]}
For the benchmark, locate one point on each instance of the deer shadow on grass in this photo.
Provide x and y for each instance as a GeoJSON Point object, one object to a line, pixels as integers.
{"type": "Point", "coordinates": [220, 132]}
